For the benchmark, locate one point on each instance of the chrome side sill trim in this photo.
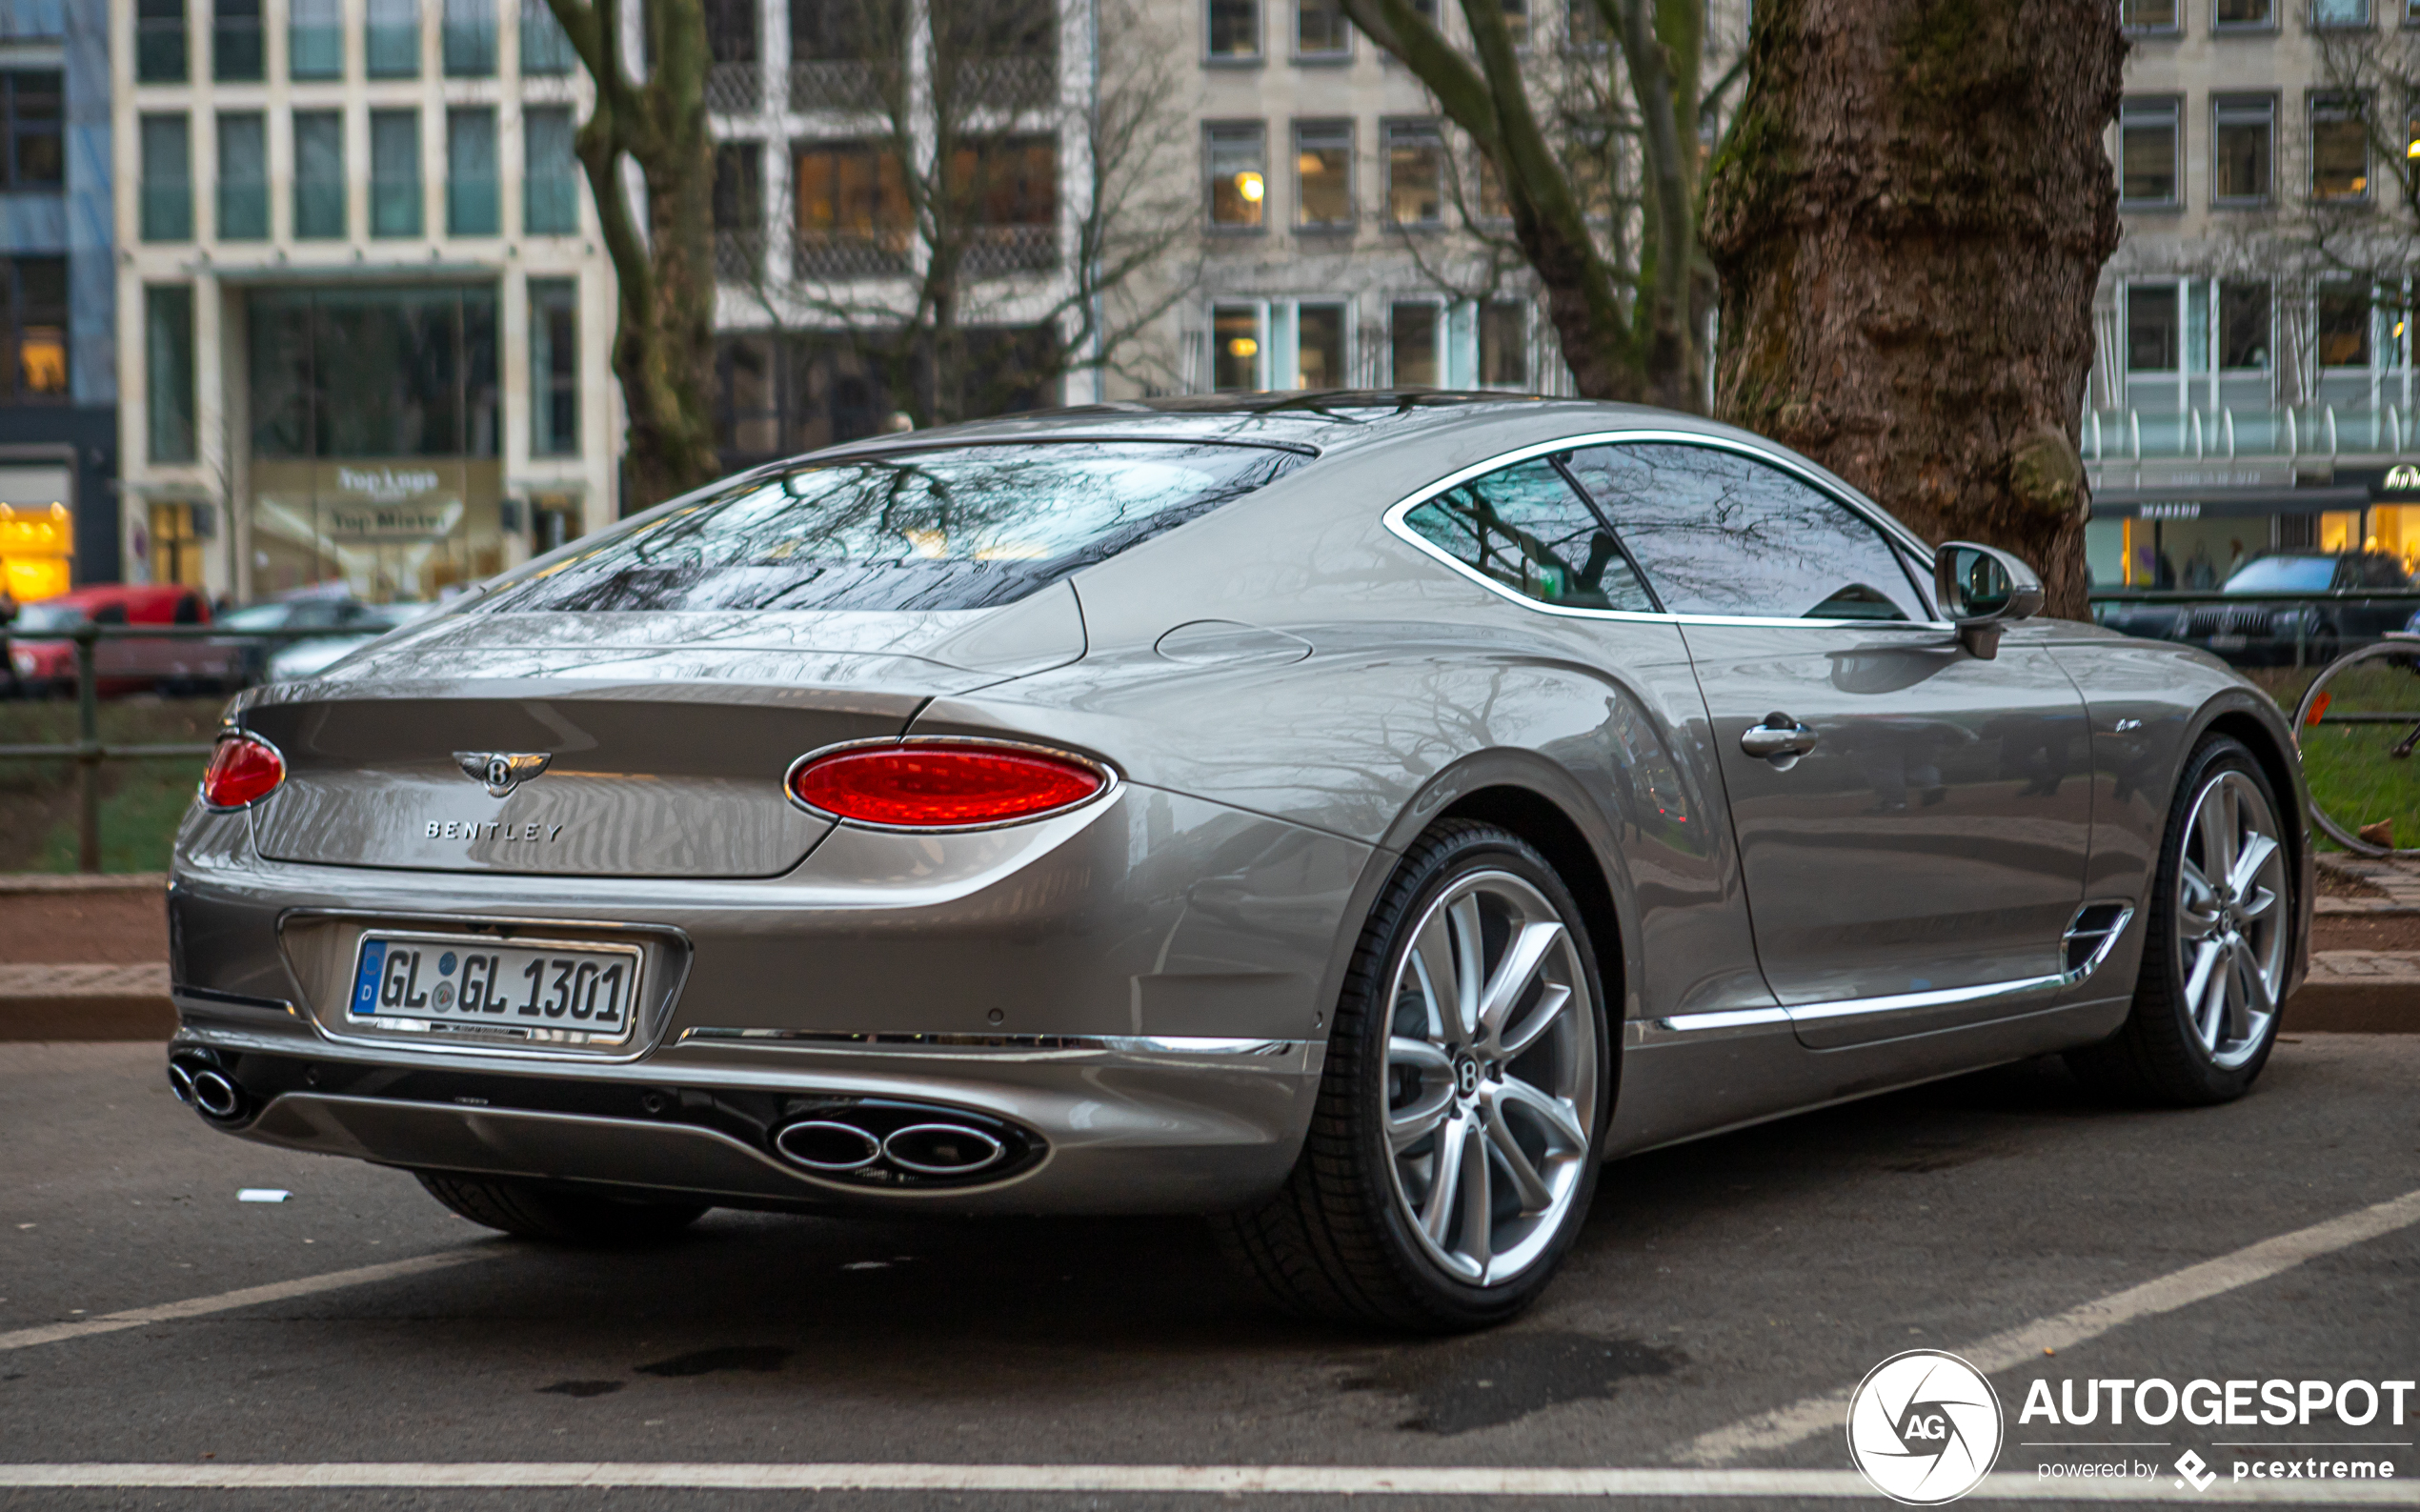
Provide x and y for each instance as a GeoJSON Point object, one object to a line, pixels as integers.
{"type": "Point", "coordinates": [1725, 1019]}
{"type": "Point", "coordinates": [1940, 997]}
{"type": "Point", "coordinates": [896, 1041]}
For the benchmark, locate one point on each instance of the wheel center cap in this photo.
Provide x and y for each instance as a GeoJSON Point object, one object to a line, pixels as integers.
{"type": "Point", "coordinates": [1466, 1076]}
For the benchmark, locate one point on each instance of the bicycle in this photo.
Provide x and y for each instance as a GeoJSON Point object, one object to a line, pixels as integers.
{"type": "Point", "coordinates": [2357, 723]}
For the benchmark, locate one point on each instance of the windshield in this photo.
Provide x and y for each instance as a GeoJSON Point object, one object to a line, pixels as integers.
{"type": "Point", "coordinates": [2285, 575]}
{"type": "Point", "coordinates": [956, 528]}
{"type": "Point", "coordinates": [258, 617]}
{"type": "Point", "coordinates": [49, 617]}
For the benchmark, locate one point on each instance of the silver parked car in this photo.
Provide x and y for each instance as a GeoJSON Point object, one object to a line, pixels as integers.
{"type": "Point", "coordinates": [1356, 816]}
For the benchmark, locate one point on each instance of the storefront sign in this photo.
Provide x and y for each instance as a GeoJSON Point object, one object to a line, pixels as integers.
{"type": "Point", "coordinates": [2399, 484]}
{"type": "Point", "coordinates": [342, 519]}
{"type": "Point", "coordinates": [386, 484]}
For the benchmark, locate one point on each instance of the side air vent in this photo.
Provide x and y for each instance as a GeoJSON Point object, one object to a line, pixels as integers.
{"type": "Point", "coordinates": [2089, 940]}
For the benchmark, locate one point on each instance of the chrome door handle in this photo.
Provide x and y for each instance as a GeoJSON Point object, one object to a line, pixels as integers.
{"type": "Point", "coordinates": [1780, 739]}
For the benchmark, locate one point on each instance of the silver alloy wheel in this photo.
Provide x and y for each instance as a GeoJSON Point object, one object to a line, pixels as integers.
{"type": "Point", "coordinates": [2230, 917]}
{"type": "Point", "coordinates": [1491, 1077]}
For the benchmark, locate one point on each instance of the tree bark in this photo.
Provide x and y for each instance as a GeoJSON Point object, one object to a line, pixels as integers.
{"type": "Point", "coordinates": [664, 338]}
{"type": "Point", "coordinates": [1909, 217]}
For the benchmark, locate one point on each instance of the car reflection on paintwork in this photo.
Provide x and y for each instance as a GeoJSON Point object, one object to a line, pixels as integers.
{"type": "Point", "coordinates": [1351, 815]}
{"type": "Point", "coordinates": [309, 657]}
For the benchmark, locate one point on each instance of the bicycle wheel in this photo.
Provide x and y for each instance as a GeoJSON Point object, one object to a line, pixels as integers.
{"type": "Point", "coordinates": [2358, 725]}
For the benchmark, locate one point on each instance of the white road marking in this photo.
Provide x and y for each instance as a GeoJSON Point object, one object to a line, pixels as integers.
{"type": "Point", "coordinates": [1228, 1479]}
{"type": "Point", "coordinates": [249, 1297]}
{"type": "Point", "coordinates": [1785, 1426]}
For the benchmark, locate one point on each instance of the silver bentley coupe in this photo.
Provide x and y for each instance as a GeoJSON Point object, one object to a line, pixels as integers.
{"type": "Point", "coordinates": [1354, 815]}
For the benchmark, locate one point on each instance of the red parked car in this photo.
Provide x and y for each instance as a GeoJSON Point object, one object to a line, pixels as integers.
{"type": "Point", "coordinates": [130, 665]}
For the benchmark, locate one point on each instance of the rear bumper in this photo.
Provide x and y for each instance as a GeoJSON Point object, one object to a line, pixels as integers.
{"type": "Point", "coordinates": [1111, 1129]}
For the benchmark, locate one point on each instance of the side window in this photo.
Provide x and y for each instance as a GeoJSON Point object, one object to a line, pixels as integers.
{"type": "Point", "coordinates": [110, 614]}
{"type": "Point", "coordinates": [1720, 533]}
{"type": "Point", "coordinates": [1523, 527]}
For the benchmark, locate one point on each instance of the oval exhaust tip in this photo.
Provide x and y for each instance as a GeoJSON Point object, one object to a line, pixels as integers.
{"type": "Point", "coordinates": [180, 1081]}
{"type": "Point", "coordinates": [943, 1149]}
{"type": "Point", "coordinates": [821, 1144]}
{"type": "Point", "coordinates": [216, 1095]}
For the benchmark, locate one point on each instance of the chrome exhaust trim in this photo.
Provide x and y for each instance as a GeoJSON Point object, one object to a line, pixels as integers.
{"type": "Point", "coordinates": [943, 1149]}
{"type": "Point", "coordinates": [181, 1083]}
{"type": "Point", "coordinates": [215, 1096]}
{"type": "Point", "coordinates": [822, 1144]}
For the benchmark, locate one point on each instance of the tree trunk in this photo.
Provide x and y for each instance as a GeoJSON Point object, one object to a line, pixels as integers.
{"type": "Point", "coordinates": [1909, 218]}
{"type": "Point", "coordinates": [664, 337]}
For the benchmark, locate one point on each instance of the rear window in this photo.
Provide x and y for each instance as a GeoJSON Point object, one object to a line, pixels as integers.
{"type": "Point", "coordinates": [49, 617]}
{"type": "Point", "coordinates": [955, 528]}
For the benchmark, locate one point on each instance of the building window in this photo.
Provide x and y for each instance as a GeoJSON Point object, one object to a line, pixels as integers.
{"type": "Point", "coordinates": [1009, 189]}
{"type": "Point", "coordinates": [2147, 16]}
{"type": "Point", "coordinates": [1516, 21]}
{"type": "Point", "coordinates": [2243, 326]}
{"type": "Point", "coordinates": [550, 174]}
{"type": "Point", "coordinates": [546, 48]}
{"type": "Point", "coordinates": [392, 39]}
{"type": "Point", "coordinates": [2243, 147]}
{"type": "Point", "coordinates": [167, 179]}
{"type": "Point", "coordinates": [2339, 147]}
{"type": "Point", "coordinates": [319, 176]}
{"type": "Point", "coordinates": [554, 368]}
{"type": "Point", "coordinates": [1319, 347]}
{"type": "Point", "coordinates": [394, 172]}
{"type": "Point", "coordinates": [855, 218]}
{"type": "Point", "coordinates": [2337, 15]}
{"type": "Point", "coordinates": [739, 211]}
{"type": "Point", "coordinates": [235, 40]}
{"type": "Point", "coordinates": [1323, 175]}
{"type": "Point", "coordinates": [1415, 174]}
{"type": "Point", "coordinates": [1585, 26]}
{"type": "Point", "coordinates": [33, 367]}
{"type": "Point", "coordinates": [2244, 15]}
{"type": "Point", "coordinates": [2147, 153]}
{"type": "Point", "coordinates": [471, 189]}
{"type": "Point", "coordinates": [387, 373]}
{"type": "Point", "coordinates": [469, 38]}
{"type": "Point", "coordinates": [1411, 339]}
{"type": "Point", "coordinates": [167, 361]}
{"type": "Point", "coordinates": [315, 39]}
{"type": "Point", "coordinates": [243, 177]}
{"type": "Point", "coordinates": [1239, 169]}
{"type": "Point", "coordinates": [735, 80]}
{"type": "Point", "coordinates": [2344, 328]}
{"type": "Point", "coordinates": [2151, 328]}
{"type": "Point", "coordinates": [1503, 345]}
{"type": "Point", "coordinates": [1320, 30]}
{"type": "Point", "coordinates": [29, 113]}
{"type": "Point", "coordinates": [1234, 341]}
{"type": "Point", "coordinates": [1235, 28]}
{"type": "Point", "coordinates": [159, 41]}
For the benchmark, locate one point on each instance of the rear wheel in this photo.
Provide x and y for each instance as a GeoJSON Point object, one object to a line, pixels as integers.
{"type": "Point", "coordinates": [1456, 1143]}
{"type": "Point", "coordinates": [559, 1214]}
{"type": "Point", "coordinates": [2220, 940]}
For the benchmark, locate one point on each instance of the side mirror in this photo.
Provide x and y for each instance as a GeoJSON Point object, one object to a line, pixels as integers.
{"type": "Point", "coordinates": [1982, 590]}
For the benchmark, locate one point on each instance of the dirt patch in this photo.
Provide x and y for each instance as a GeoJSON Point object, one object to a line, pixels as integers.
{"type": "Point", "coordinates": [99, 929]}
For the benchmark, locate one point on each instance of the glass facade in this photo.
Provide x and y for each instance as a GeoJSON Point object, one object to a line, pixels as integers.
{"type": "Point", "coordinates": [375, 439]}
{"type": "Point", "coordinates": [555, 367]}
{"type": "Point", "coordinates": [168, 354]}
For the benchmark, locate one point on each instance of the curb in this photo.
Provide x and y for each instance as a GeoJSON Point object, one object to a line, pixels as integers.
{"type": "Point", "coordinates": [87, 1017]}
{"type": "Point", "coordinates": [20, 883]}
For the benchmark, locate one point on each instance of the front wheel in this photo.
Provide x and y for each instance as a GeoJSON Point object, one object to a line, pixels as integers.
{"type": "Point", "coordinates": [2220, 942]}
{"type": "Point", "coordinates": [559, 1214]}
{"type": "Point", "coordinates": [1460, 1120]}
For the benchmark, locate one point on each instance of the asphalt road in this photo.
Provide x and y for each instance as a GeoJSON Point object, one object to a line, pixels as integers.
{"type": "Point", "coordinates": [1716, 1282]}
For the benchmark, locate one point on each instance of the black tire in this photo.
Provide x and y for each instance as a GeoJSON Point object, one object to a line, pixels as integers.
{"type": "Point", "coordinates": [2158, 1056]}
{"type": "Point", "coordinates": [559, 1214]}
{"type": "Point", "coordinates": [1338, 1241]}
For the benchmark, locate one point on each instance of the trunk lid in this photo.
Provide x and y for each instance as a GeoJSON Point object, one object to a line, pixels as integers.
{"type": "Point", "coordinates": [665, 737]}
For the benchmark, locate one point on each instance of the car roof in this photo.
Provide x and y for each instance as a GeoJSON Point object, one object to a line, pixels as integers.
{"type": "Point", "coordinates": [132, 595]}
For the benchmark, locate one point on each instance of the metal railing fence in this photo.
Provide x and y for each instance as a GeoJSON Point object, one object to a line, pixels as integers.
{"type": "Point", "coordinates": [88, 751]}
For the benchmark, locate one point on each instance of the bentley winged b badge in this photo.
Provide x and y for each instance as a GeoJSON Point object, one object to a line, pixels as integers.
{"type": "Point", "coordinates": [502, 770]}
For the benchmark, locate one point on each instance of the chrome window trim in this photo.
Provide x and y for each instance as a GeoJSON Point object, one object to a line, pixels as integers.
{"type": "Point", "coordinates": [1893, 532]}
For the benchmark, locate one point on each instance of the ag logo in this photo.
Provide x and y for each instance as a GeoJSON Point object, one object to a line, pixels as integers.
{"type": "Point", "coordinates": [1924, 1427]}
{"type": "Point", "coordinates": [2405, 477]}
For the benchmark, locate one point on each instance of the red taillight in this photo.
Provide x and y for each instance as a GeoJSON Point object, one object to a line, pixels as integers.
{"type": "Point", "coordinates": [942, 785]}
{"type": "Point", "coordinates": [243, 769]}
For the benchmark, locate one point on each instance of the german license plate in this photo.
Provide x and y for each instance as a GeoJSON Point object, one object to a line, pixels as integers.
{"type": "Point", "coordinates": [545, 990]}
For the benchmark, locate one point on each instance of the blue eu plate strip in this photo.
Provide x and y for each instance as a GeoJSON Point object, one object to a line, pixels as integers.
{"type": "Point", "coordinates": [365, 982]}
